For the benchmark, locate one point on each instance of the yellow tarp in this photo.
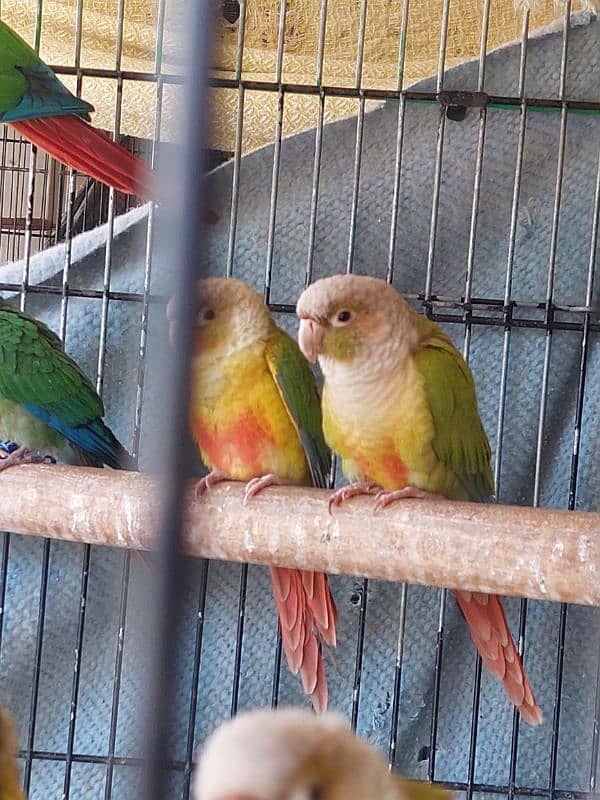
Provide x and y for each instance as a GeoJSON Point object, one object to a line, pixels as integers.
{"type": "Point", "coordinates": [383, 24]}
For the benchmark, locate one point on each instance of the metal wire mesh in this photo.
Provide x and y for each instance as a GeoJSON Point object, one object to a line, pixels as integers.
{"type": "Point", "coordinates": [43, 204]}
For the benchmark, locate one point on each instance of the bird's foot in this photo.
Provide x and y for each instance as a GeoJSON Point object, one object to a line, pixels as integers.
{"type": "Point", "coordinates": [384, 498]}
{"type": "Point", "coordinates": [353, 490]}
{"type": "Point", "coordinates": [256, 485]}
{"type": "Point", "coordinates": [12, 455]}
{"type": "Point", "coordinates": [208, 481]}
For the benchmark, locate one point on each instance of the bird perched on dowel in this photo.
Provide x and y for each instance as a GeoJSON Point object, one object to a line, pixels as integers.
{"type": "Point", "coordinates": [43, 110]}
{"type": "Point", "coordinates": [10, 785]}
{"type": "Point", "coordinates": [399, 407]}
{"type": "Point", "coordinates": [49, 409]}
{"type": "Point", "coordinates": [292, 754]}
{"type": "Point", "coordinates": [256, 417]}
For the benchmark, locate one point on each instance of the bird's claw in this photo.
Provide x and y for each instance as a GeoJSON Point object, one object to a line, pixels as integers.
{"type": "Point", "coordinates": [210, 480]}
{"type": "Point", "coordinates": [353, 490]}
{"type": "Point", "coordinates": [384, 498]}
{"type": "Point", "coordinates": [256, 485]}
{"type": "Point", "coordinates": [12, 455]}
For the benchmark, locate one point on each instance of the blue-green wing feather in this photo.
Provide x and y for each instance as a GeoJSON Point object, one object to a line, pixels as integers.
{"type": "Point", "coordinates": [28, 88]}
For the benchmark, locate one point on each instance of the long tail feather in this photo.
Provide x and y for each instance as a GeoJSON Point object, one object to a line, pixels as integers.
{"type": "Point", "coordinates": [492, 637]}
{"type": "Point", "coordinates": [76, 143]}
{"type": "Point", "coordinates": [307, 615]}
{"type": "Point", "coordinates": [321, 604]}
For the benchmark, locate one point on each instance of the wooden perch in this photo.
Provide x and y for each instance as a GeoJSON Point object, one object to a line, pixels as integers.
{"type": "Point", "coordinates": [512, 550]}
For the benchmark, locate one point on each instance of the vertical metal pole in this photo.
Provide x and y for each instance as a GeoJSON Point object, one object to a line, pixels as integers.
{"type": "Point", "coordinates": [439, 646]}
{"type": "Point", "coordinates": [167, 588]}
{"type": "Point", "coordinates": [467, 343]}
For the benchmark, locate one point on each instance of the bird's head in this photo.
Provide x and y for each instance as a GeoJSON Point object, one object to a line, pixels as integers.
{"type": "Point", "coordinates": [291, 754]}
{"type": "Point", "coordinates": [230, 315]}
{"type": "Point", "coordinates": [354, 320]}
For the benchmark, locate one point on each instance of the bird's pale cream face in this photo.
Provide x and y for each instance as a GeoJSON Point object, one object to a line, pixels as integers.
{"type": "Point", "coordinates": [290, 754]}
{"type": "Point", "coordinates": [348, 319]}
{"type": "Point", "coordinates": [229, 316]}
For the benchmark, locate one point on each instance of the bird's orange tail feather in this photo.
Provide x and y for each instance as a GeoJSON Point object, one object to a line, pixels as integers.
{"type": "Point", "coordinates": [307, 615]}
{"type": "Point", "coordinates": [492, 637]}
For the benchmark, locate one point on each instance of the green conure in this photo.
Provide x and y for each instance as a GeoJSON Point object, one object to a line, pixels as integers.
{"type": "Point", "coordinates": [256, 417]}
{"type": "Point", "coordinates": [49, 410]}
{"type": "Point", "coordinates": [43, 110]}
{"type": "Point", "coordinates": [400, 409]}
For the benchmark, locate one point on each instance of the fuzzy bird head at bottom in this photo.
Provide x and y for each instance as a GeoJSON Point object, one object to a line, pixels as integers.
{"type": "Point", "coordinates": [292, 754]}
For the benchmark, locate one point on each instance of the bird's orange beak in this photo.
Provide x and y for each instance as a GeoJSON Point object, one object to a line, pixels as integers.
{"type": "Point", "coordinates": [310, 338]}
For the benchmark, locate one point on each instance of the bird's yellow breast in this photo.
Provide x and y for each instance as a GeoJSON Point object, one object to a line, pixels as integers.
{"type": "Point", "coordinates": [239, 419]}
{"type": "Point", "coordinates": [383, 429]}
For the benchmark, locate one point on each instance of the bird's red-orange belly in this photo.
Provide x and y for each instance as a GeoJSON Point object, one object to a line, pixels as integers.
{"type": "Point", "coordinates": [395, 470]}
{"type": "Point", "coordinates": [386, 469]}
{"type": "Point", "coordinates": [240, 447]}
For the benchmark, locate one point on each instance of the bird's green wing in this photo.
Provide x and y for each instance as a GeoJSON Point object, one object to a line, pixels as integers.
{"type": "Point", "coordinates": [34, 369]}
{"type": "Point", "coordinates": [36, 374]}
{"type": "Point", "coordinates": [28, 88]}
{"type": "Point", "coordinates": [298, 390]}
{"type": "Point", "coordinates": [460, 440]}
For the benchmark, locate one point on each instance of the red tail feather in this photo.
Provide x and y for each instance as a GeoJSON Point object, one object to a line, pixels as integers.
{"type": "Point", "coordinates": [76, 143]}
{"type": "Point", "coordinates": [307, 615]}
{"type": "Point", "coordinates": [492, 637]}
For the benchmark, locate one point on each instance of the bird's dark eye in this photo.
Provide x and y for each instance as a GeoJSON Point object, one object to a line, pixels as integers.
{"type": "Point", "coordinates": [316, 792]}
{"type": "Point", "coordinates": [341, 318]}
{"type": "Point", "coordinates": [208, 314]}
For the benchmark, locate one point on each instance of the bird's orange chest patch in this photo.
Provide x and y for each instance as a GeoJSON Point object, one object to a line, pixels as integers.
{"type": "Point", "coordinates": [229, 445]}
{"type": "Point", "coordinates": [395, 468]}
{"type": "Point", "coordinates": [386, 469]}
